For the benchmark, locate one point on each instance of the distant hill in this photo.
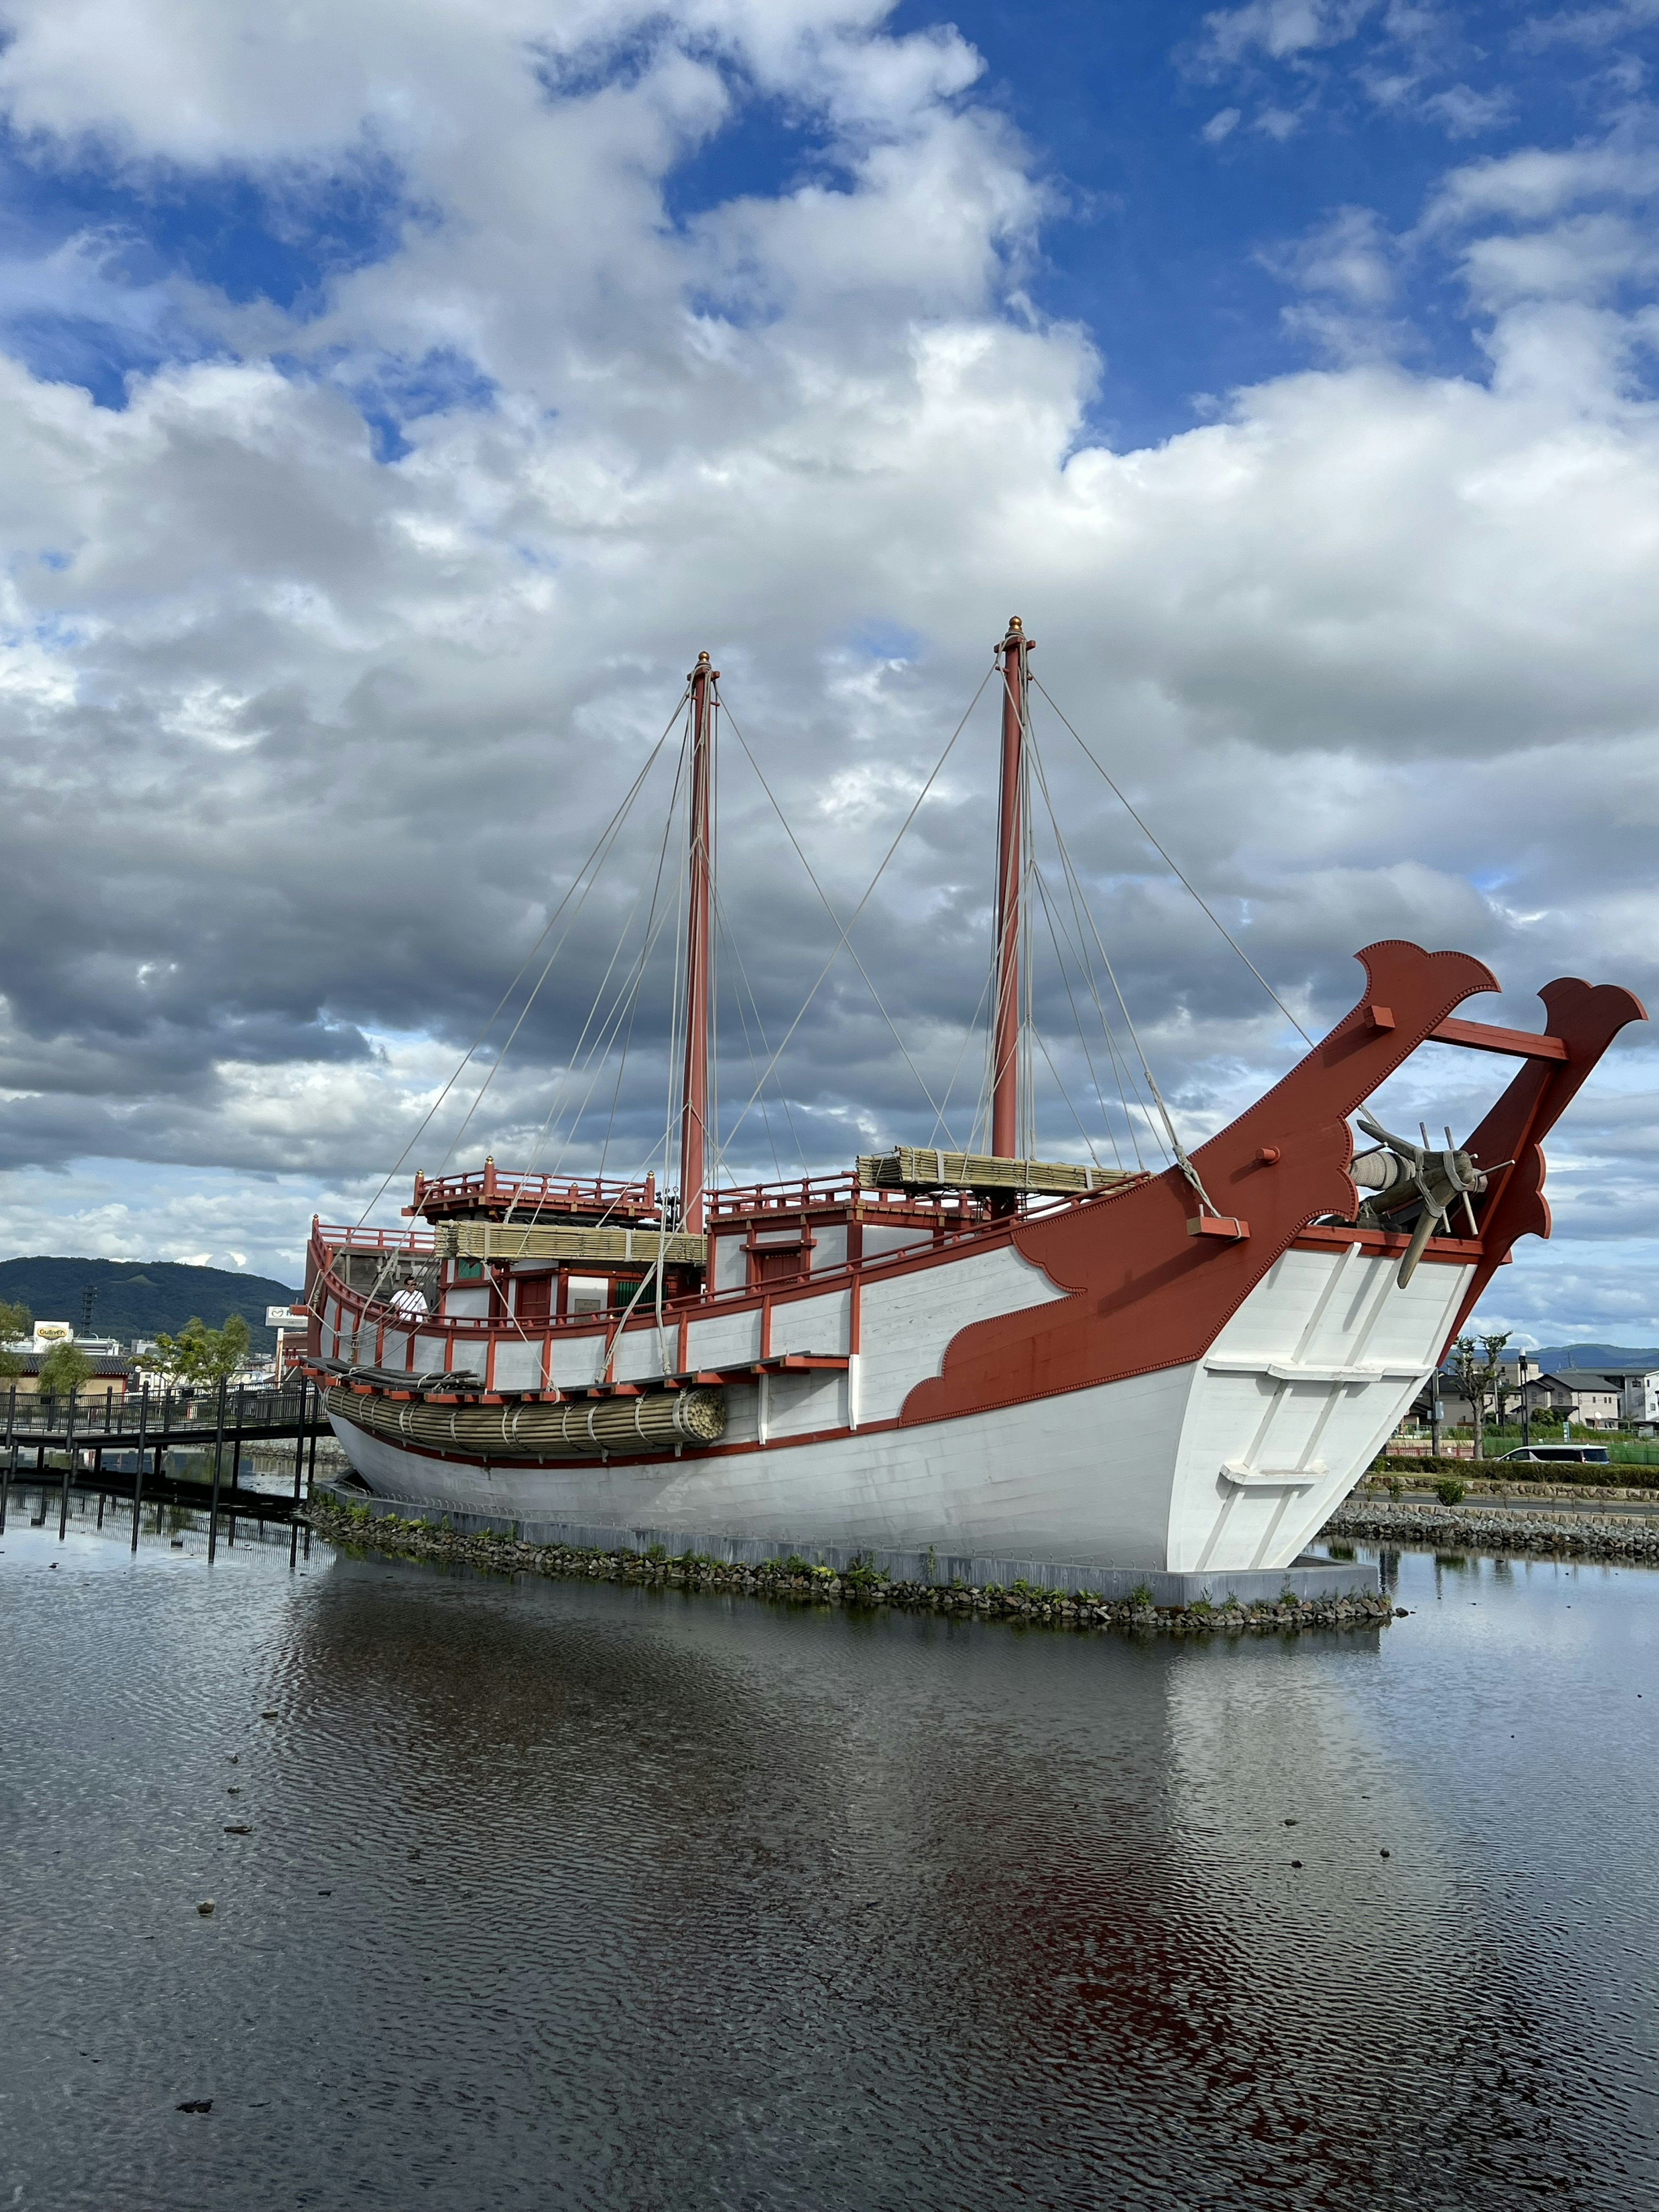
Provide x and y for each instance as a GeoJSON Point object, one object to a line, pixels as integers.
{"type": "Point", "coordinates": [142, 1298]}
{"type": "Point", "coordinates": [1554, 1358]}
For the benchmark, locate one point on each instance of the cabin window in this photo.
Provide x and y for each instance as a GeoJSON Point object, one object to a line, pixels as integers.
{"type": "Point", "coordinates": [622, 1294]}
{"type": "Point", "coordinates": [469, 1271]}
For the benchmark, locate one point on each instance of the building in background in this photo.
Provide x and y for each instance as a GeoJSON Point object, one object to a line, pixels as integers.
{"type": "Point", "coordinates": [1574, 1394]}
{"type": "Point", "coordinates": [110, 1380]}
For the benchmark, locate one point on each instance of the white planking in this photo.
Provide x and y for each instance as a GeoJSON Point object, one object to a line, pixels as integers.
{"type": "Point", "coordinates": [881, 1239]}
{"type": "Point", "coordinates": [575, 1359]}
{"type": "Point", "coordinates": [799, 1404]}
{"type": "Point", "coordinates": [519, 1366]}
{"type": "Point", "coordinates": [907, 1323]}
{"type": "Point", "coordinates": [829, 1246]}
{"type": "Point", "coordinates": [1338, 1308]}
{"type": "Point", "coordinates": [725, 1338]}
{"type": "Point", "coordinates": [820, 1324]}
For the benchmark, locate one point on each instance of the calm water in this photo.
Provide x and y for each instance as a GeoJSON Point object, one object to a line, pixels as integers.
{"type": "Point", "coordinates": [571, 1895]}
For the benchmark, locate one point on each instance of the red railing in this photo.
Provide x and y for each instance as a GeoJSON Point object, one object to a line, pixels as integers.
{"type": "Point", "coordinates": [528, 1194]}
{"type": "Point", "coordinates": [814, 1191]}
{"type": "Point", "coordinates": [340, 1239]}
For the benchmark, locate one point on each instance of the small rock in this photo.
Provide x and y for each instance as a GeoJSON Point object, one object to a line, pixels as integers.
{"type": "Point", "coordinates": [240, 1829]}
{"type": "Point", "coordinates": [1385, 1855]}
{"type": "Point", "coordinates": [205, 1908]}
{"type": "Point", "coordinates": [1296, 1862]}
{"type": "Point", "coordinates": [271, 1716]}
{"type": "Point", "coordinates": [197, 2104]}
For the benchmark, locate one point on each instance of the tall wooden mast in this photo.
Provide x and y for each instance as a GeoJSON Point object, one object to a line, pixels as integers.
{"type": "Point", "coordinates": [694, 1091]}
{"type": "Point", "coordinates": [1011, 866]}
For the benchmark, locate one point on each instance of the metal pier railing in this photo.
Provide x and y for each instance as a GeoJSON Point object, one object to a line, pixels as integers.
{"type": "Point", "coordinates": [147, 1430]}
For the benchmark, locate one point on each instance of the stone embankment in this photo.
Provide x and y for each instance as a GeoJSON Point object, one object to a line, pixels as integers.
{"type": "Point", "coordinates": [794, 1580]}
{"type": "Point", "coordinates": [1367, 1519]}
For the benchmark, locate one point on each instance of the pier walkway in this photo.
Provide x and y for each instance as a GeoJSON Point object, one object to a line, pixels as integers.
{"type": "Point", "coordinates": [121, 1450]}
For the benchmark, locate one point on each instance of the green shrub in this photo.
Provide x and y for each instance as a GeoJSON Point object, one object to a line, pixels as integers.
{"type": "Point", "coordinates": [1449, 1490]}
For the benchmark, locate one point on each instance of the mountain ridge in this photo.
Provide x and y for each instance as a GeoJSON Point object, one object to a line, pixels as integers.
{"type": "Point", "coordinates": [141, 1297]}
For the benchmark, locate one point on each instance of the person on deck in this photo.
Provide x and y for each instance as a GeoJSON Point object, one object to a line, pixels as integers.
{"type": "Point", "coordinates": [411, 1300]}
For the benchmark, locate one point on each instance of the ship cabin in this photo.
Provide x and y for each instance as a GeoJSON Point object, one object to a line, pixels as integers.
{"type": "Point", "coordinates": [515, 1261]}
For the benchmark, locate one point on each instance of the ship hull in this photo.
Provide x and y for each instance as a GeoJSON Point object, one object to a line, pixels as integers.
{"type": "Point", "coordinates": [1230, 1463]}
{"type": "Point", "coordinates": [1185, 1374]}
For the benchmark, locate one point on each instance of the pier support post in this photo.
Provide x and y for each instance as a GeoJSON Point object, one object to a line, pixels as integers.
{"type": "Point", "coordinates": [218, 1458]}
{"type": "Point", "coordinates": [138, 1479]}
{"type": "Point", "coordinates": [11, 1455]}
{"type": "Point", "coordinates": [69, 1468]}
{"type": "Point", "coordinates": [299, 1477]}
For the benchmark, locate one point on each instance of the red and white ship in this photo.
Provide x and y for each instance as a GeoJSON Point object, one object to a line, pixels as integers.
{"type": "Point", "coordinates": [968, 1357]}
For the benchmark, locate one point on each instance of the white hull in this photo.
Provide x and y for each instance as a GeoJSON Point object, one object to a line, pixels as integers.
{"type": "Point", "coordinates": [1229, 1464]}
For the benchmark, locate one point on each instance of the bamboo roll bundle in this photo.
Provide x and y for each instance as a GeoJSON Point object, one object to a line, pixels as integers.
{"type": "Point", "coordinates": [580, 1428]}
{"type": "Point", "coordinates": [495, 1239]}
{"type": "Point", "coordinates": [916, 1167]}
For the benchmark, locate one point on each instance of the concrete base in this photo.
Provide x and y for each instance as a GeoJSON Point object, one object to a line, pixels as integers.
{"type": "Point", "coordinates": [1308, 1579]}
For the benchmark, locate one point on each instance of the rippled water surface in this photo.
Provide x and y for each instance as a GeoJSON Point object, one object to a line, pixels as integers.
{"type": "Point", "coordinates": [568, 1894]}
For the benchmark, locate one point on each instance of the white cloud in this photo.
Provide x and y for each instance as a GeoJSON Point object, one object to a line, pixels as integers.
{"type": "Point", "coordinates": [302, 747]}
{"type": "Point", "coordinates": [1465, 112]}
{"type": "Point", "coordinates": [1280, 29]}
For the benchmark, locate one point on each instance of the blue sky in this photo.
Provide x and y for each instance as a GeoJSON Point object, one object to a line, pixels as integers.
{"type": "Point", "coordinates": [1189, 155]}
{"type": "Point", "coordinates": [395, 395]}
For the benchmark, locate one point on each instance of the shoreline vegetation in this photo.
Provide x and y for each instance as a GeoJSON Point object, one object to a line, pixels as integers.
{"type": "Point", "coordinates": [795, 1581]}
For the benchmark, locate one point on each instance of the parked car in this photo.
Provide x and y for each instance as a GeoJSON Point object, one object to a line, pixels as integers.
{"type": "Point", "coordinates": [1581, 1454]}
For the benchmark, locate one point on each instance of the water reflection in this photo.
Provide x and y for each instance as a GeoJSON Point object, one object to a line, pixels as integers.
{"type": "Point", "coordinates": [564, 1894]}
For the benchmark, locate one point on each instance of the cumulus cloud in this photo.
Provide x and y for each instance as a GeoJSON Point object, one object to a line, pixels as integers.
{"type": "Point", "coordinates": [325, 656]}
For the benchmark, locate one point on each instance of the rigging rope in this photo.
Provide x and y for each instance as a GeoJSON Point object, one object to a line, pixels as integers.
{"type": "Point", "coordinates": [1179, 877]}
{"type": "Point", "coordinates": [1175, 1145]}
{"type": "Point", "coordinates": [939, 1110]}
{"type": "Point", "coordinates": [614, 824]}
{"type": "Point", "coordinates": [869, 893]}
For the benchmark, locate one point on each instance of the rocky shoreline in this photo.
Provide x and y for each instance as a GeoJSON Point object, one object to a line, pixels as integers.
{"type": "Point", "coordinates": [1581, 1535]}
{"type": "Point", "coordinates": [795, 1581]}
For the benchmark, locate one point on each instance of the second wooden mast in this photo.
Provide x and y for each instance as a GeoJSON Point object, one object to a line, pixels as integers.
{"type": "Point", "coordinates": [1010, 897]}
{"type": "Point", "coordinates": [694, 1087]}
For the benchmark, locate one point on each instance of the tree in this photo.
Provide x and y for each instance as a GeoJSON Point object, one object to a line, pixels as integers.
{"type": "Point", "coordinates": [15, 1322]}
{"type": "Point", "coordinates": [64, 1370]}
{"type": "Point", "coordinates": [1476, 1376]}
{"type": "Point", "coordinates": [198, 1357]}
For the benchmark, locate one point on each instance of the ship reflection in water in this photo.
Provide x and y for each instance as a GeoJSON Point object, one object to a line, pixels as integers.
{"type": "Point", "coordinates": [568, 1894]}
